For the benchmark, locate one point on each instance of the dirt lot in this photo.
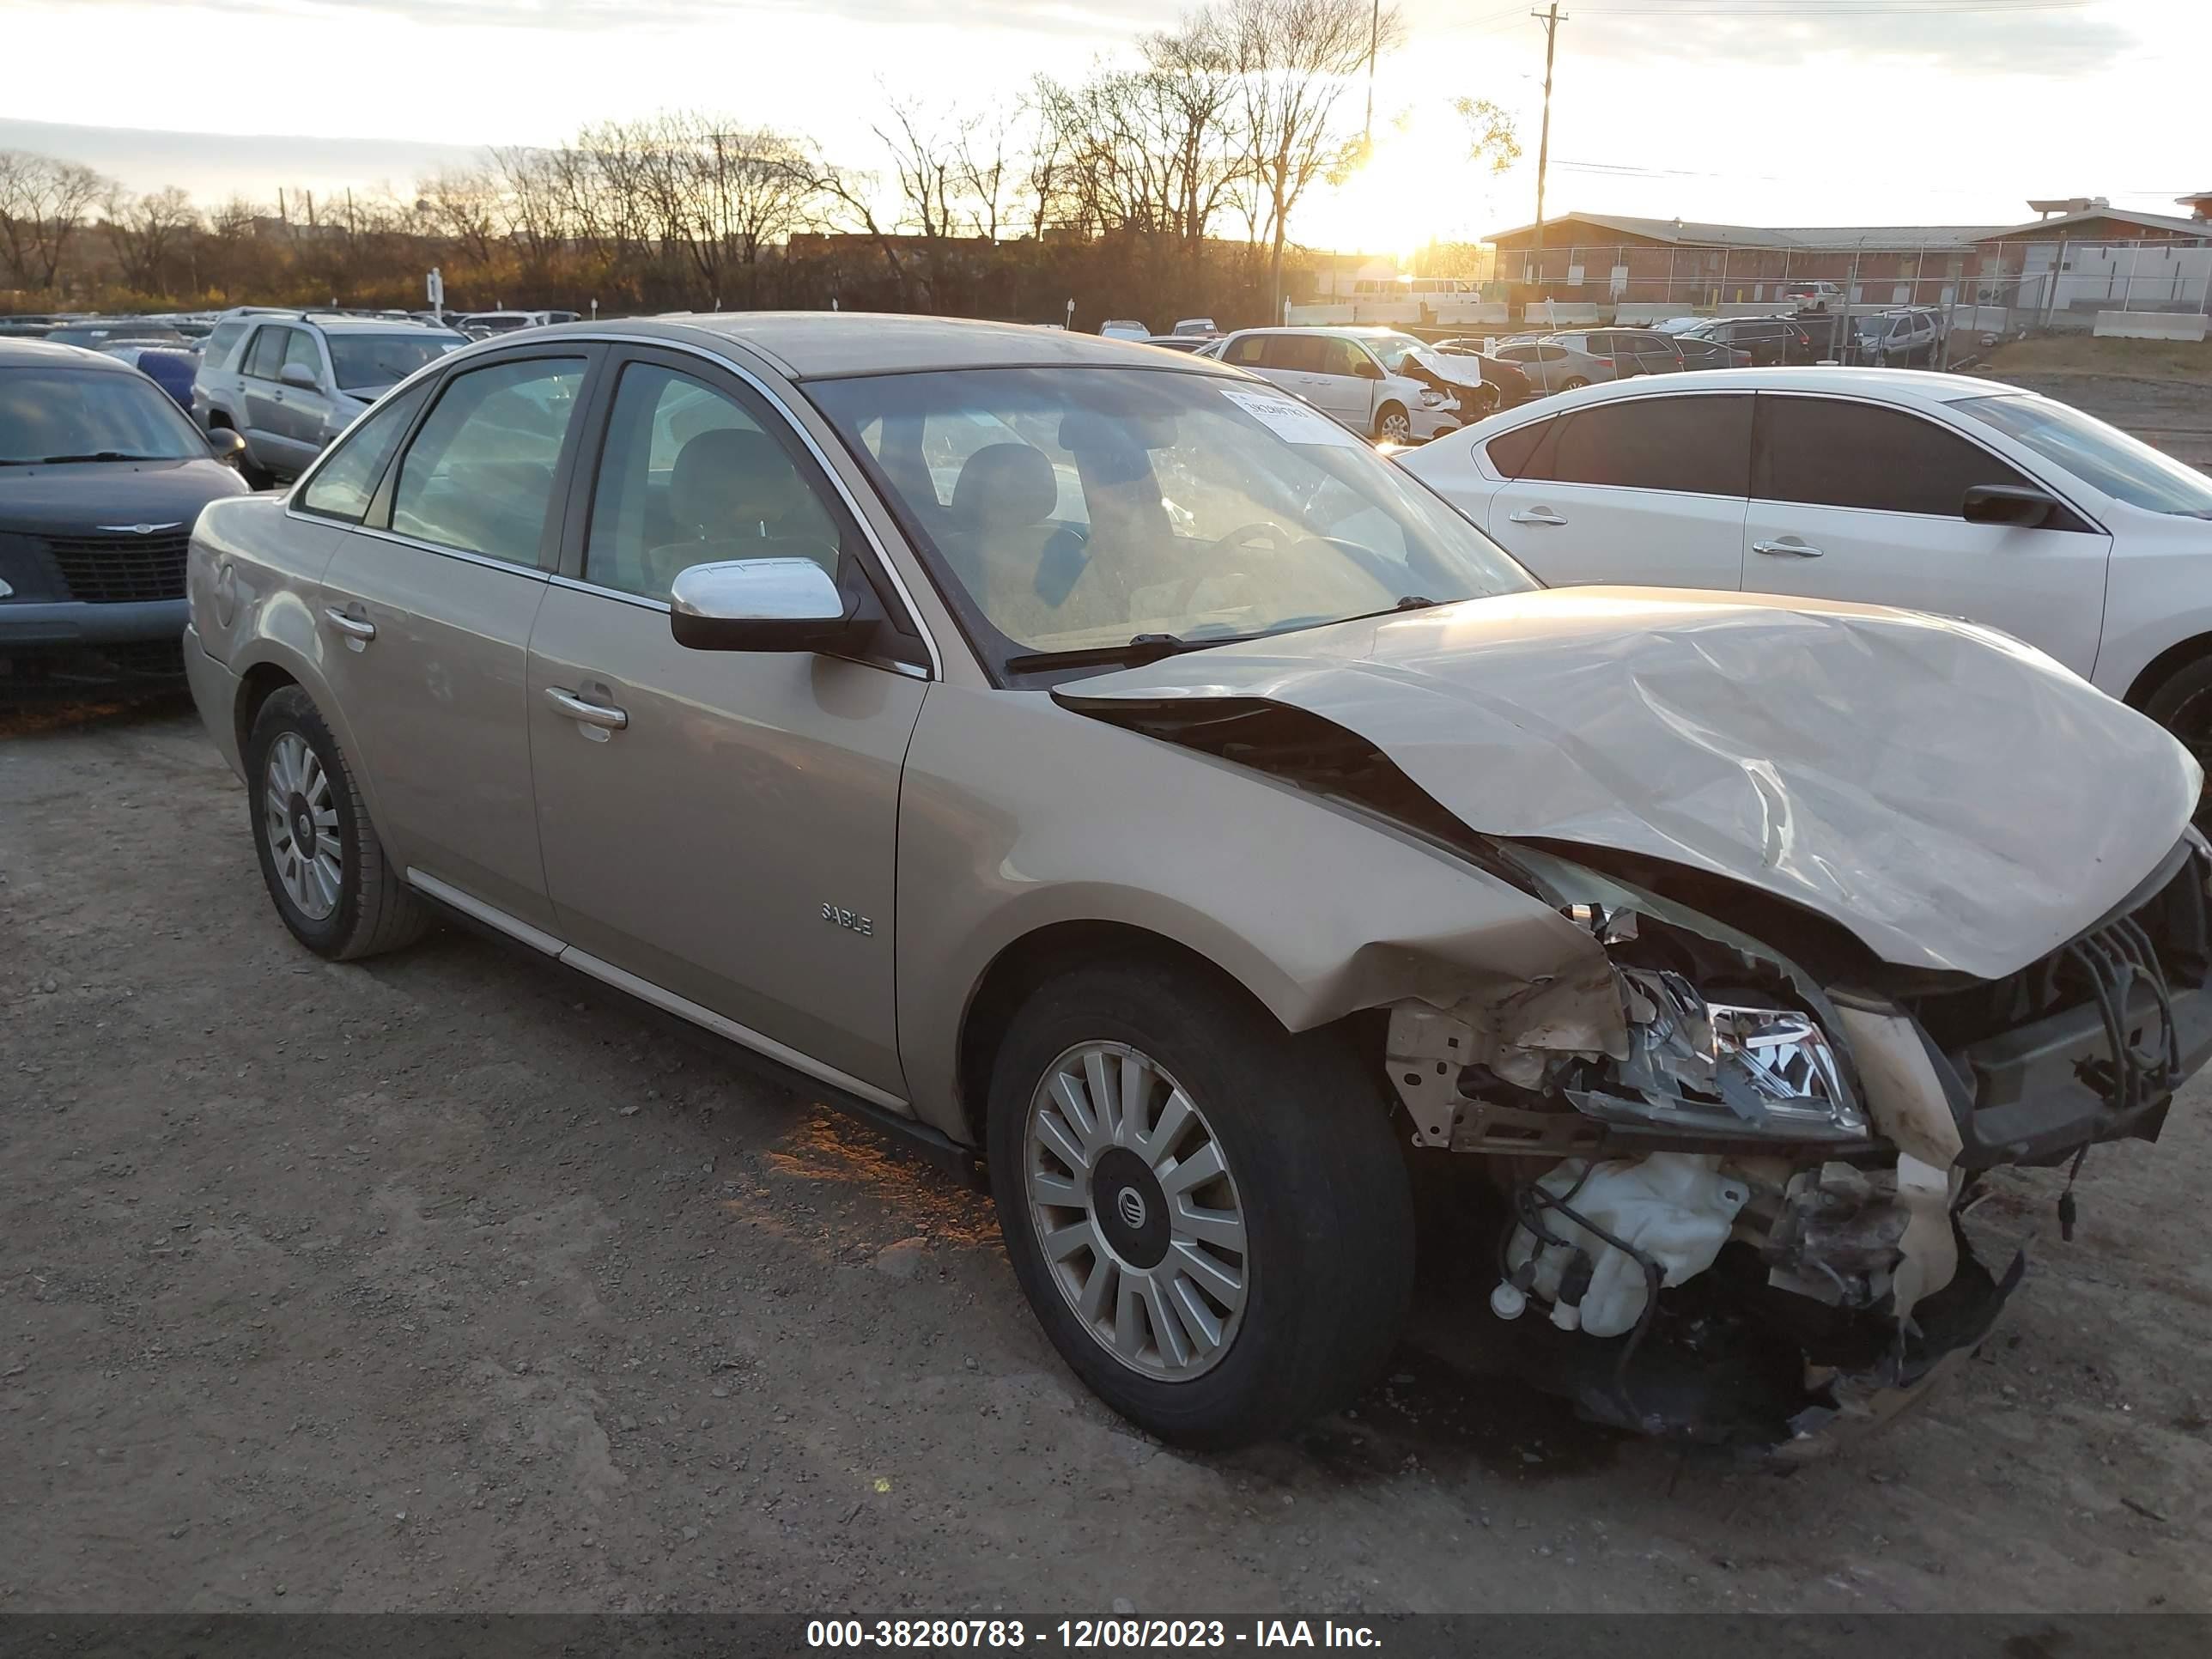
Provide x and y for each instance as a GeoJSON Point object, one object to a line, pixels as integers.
{"type": "Point", "coordinates": [447, 1282]}
{"type": "Point", "coordinates": [2160, 392]}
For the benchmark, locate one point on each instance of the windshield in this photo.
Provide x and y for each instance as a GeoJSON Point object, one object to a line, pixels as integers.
{"type": "Point", "coordinates": [377, 360]}
{"type": "Point", "coordinates": [49, 415]}
{"type": "Point", "coordinates": [1080, 511]}
{"type": "Point", "coordinates": [2126, 468]}
{"type": "Point", "coordinates": [1391, 350]}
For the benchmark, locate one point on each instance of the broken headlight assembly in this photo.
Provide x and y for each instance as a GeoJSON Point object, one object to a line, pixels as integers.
{"type": "Point", "coordinates": [1722, 1066]}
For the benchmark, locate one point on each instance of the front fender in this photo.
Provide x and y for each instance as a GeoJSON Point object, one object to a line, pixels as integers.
{"type": "Point", "coordinates": [1017, 815]}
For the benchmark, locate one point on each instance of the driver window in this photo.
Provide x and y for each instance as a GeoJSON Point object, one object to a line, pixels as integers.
{"type": "Point", "coordinates": [689, 476]}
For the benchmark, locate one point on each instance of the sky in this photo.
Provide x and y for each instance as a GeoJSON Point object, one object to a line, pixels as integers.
{"type": "Point", "coordinates": [1760, 111]}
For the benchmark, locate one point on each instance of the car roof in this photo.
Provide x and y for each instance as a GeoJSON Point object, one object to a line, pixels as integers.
{"type": "Point", "coordinates": [45, 354]}
{"type": "Point", "coordinates": [1905, 386]}
{"type": "Point", "coordinates": [821, 346]}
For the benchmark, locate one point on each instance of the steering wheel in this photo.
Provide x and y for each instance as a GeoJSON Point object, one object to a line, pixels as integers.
{"type": "Point", "coordinates": [1266, 531]}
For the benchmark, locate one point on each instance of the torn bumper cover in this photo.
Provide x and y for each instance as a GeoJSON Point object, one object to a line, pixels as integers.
{"type": "Point", "coordinates": [1739, 1216]}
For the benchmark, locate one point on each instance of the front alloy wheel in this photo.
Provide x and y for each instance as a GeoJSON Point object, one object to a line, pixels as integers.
{"type": "Point", "coordinates": [1394, 426]}
{"type": "Point", "coordinates": [1133, 1200]}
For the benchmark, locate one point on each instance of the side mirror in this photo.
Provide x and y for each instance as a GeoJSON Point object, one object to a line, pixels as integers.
{"type": "Point", "coordinates": [761, 604]}
{"type": "Point", "coordinates": [298, 375]}
{"type": "Point", "coordinates": [226, 445]}
{"type": "Point", "coordinates": [2013, 504]}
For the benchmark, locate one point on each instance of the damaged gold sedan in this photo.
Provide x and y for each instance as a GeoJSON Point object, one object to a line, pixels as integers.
{"type": "Point", "coordinates": [1096, 761]}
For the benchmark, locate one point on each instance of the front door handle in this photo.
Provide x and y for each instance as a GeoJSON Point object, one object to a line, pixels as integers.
{"type": "Point", "coordinates": [1534, 515]}
{"type": "Point", "coordinates": [358, 630]}
{"type": "Point", "coordinates": [1789, 545]}
{"type": "Point", "coordinates": [591, 713]}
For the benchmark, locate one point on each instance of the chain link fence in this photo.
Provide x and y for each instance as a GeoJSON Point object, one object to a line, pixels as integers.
{"type": "Point", "coordinates": [1978, 290]}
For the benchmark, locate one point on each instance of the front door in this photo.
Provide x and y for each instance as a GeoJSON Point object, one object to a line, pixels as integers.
{"type": "Point", "coordinates": [1861, 501]}
{"type": "Point", "coordinates": [426, 611]}
{"type": "Point", "coordinates": [721, 825]}
{"type": "Point", "coordinates": [1638, 490]}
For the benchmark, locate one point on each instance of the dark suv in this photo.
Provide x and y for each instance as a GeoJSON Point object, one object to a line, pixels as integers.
{"type": "Point", "coordinates": [1632, 351]}
{"type": "Point", "coordinates": [1771, 341]}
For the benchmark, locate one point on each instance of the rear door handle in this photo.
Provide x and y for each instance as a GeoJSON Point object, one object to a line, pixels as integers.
{"type": "Point", "coordinates": [355, 629]}
{"type": "Point", "coordinates": [1534, 515]}
{"type": "Point", "coordinates": [591, 713]}
{"type": "Point", "coordinates": [1789, 545]}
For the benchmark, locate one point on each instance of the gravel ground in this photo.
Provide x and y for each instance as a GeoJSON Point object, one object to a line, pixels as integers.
{"type": "Point", "coordinates": [449, 1282]}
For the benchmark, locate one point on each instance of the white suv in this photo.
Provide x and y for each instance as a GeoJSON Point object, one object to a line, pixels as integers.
{"type": "Point", "coordinates": [1934, 492]}
{"type": "Point", "coordinates": [1373, 379]}
{"type": "Point", "coordinates": [289, 382]}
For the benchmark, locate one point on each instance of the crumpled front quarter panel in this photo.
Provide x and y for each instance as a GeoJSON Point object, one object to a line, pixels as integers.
{"type": "Point", "coordinates": [1954, 798]}
{"type": "Point", "coordinates": [1017, 815]}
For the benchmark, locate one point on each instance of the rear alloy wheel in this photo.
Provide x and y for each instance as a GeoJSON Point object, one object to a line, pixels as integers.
{"type": "Point", "coordinates": [1393, 425]}
{"type": "Point", "coordinates": [323, 865]}
{"type": "Point", "coordinates": [1209, 1216]}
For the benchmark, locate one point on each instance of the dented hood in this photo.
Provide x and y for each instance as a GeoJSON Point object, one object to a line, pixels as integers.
{"type": "Point", "coordinates": [1953, 798]}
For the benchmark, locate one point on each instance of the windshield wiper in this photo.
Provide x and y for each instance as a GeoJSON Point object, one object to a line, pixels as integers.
{"type": "Point", "coordinates": [1140, 649]}
{"type": "Point", "coordinates": [97, 455]}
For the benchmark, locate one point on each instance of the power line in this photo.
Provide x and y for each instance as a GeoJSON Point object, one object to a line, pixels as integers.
{"type": "Point", "coordinates": [1787, 9]}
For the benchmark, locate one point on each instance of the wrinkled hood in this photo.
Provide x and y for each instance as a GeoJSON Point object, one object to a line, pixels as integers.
{"type": "Point", "coordinates": [1953, 798]}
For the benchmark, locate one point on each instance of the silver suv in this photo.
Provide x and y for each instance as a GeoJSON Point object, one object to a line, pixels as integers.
{"type": "Point", "coordinates": [1102, 763]}
{"type": "Point", "coordinates": [289, 382]}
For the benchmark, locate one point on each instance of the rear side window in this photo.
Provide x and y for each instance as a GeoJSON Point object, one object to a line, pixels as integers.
{"type": "Point", "coordinates": [479, 475]}
{"type": "Point", "coordinates": [216, 353]}
{"type": "Point", "coordinates": [1825, 451]}
{"type": "Point", "coordinates": [1699, 446]}
{"type": "Point", "coordinates": [266, 355]}
{"type": "Point", "coordinates": [1248, 350]}
{"type": "Point", "coordinates": [1297, 353]}
{"type": "Point", "coordinates": [1509, 452]}
{"type": "Point", "coordinates": [342, 486]}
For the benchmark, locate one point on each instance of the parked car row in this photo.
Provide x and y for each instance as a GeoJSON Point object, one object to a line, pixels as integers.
{"type": "Point", "coordinates": [1711, 947]}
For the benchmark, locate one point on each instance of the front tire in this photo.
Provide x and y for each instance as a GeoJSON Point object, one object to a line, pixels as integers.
{"type": "Point", "coordinates": [325, 868]}
{"type": "Point", "coordinates": [2183, 705]}
{"type": "Point", "coordinates": [1210, 1217]}
{"type": "Point", "coordinates": [1573, 382]}
{"type": "Point", "coordinates": [1393, 425]}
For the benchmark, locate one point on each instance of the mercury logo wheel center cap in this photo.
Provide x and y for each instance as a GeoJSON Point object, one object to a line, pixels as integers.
{"type": "Point", "coordinates": [1131, 1204]}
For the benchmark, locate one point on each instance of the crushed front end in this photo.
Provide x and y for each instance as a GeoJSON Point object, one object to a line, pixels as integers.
{"type": "Point", "coordinates": [1733, 1179]}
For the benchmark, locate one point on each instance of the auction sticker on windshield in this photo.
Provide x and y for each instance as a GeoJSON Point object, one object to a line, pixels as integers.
{"type": "Point", "coordinates": [1291, 420]}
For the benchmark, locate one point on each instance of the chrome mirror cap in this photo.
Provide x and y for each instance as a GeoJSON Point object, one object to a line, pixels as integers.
{"type": "Point", "coordinates": [757, 590]}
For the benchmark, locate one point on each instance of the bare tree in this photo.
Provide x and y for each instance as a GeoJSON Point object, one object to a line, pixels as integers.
{"type": "Point", "coordinates": [1492, 136]}
{"type": "Point", "coordinates": [462, 206]}
{"type": "Point", "coordinates": [145, 231]}
{"type": "Point", "coordinates": [43, 203]}
{"type": "Point", "coordinates": [1295, 60]}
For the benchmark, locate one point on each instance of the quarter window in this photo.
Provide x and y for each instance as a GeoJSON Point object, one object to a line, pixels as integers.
{"type": "Point", "coordinates": [1825, 452]}
{"type": "Point", "coordinates": [1509, 452]}
{"type": "Point", "coordinates": [689, 476]}
{"type": "Point", "coordinates": [343, 485]}
{"type": "Point", "coordinates": [479, 474]}
{"type": "Point", "coordinates": [1696, 445]}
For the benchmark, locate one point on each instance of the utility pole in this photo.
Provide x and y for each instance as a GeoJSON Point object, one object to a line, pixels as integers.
{"type": "Point", "coordinates": [1551, 19]}
{"type": "Point", "coordinates": [1374, 35]}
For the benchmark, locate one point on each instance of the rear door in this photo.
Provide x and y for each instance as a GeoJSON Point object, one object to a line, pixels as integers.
{"type": "Point", "coordinates": [1856, 500]}
{"type": "Point", "coordinates": [261, 401]}
{"type": "Point", "coordinates": [1642, 490]}
{"type": "Point", "coordinates": [426, 612]}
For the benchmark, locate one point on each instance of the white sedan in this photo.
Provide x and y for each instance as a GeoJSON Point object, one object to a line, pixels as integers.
{"type": "Point", "coordinates": [1934, 492]}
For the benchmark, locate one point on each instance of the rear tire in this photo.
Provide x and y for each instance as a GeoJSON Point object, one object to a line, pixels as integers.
{"type": "Point", "coordinates": [320, 857]}
{"type": "Point", "coordinates": [1310, 1174]}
